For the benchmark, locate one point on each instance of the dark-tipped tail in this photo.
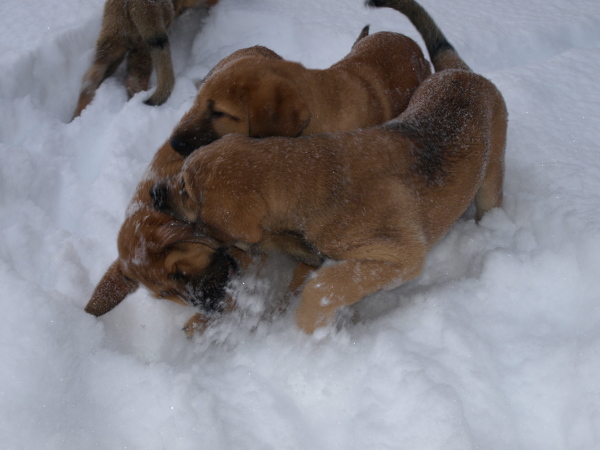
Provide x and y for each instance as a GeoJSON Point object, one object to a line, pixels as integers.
{"type": "Point", "coordinates": [442, 54]}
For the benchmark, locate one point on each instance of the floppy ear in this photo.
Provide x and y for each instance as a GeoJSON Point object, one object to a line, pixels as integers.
{"type": "Point", "coordinates": [237, 214]}
{"type": "Point", "coordinates": [167, 232]}
{"type": "Point", "coordinates": [277, 109]}
{"type": "Point", "coordinates": [188, 258]}
{"type": "Point", "coordinates": [111, 290]}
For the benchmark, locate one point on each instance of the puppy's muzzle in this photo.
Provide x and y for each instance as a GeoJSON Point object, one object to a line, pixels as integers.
{"type": "Point", "coordinates": [184, 145]}
{"type": "Point", "coordinates": [188, 138]}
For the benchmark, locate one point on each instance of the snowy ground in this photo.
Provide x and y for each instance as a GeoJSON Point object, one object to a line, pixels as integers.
{"type": "Point", "coordinates": [496, 346]}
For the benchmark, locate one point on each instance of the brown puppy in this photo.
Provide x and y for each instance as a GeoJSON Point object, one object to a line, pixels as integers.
{"type": "Point", "coordinates": [373, 201]}
{"type": "Point", "coordinates": [175, 261]}
{"type": "Point", "coordinates": [265, 95]}
{"type": "Point", "coordinates": [138, 29]}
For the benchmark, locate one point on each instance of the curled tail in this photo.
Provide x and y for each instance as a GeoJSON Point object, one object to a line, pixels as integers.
{"type": "Point", "coordinates": [442, 54]}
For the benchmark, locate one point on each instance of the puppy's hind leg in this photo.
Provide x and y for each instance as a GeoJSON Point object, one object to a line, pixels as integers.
{"type": "Point", "coordinates": [109, 54]}
{"type": "Point", "coordinates": [139, 70]}
{"type": "Point", "coordinates": [154, 33]}
{"type": "Point", "coordinates": [165, 78]}
{"type": "Point", "coordinates": [490, 193]}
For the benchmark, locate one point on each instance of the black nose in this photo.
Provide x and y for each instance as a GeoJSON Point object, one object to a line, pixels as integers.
{"type": "Point", "coordinates": [158, 194]}
{"type": "Point", "coordinates": [208, 291]}
{"type": "Point", "coordinates": [182, 145]}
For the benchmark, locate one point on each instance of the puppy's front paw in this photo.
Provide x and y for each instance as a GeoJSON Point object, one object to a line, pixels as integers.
{"type": "Point", "coordinates": [311, 317]}
{"type": "Point", "coordinates": [197, 323]}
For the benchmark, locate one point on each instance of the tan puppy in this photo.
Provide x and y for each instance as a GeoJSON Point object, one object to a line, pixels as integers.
{"type": "Point", "coordinates": [265, 95]}
{"type": "Point", "coordinates": [138, 29]}
{"type": "Point", "coordinates": [372, 201]}
{"type": "Point", "coordinates": [175, 261]}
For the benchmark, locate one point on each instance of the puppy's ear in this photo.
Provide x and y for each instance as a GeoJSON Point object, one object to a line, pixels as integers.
{"type": "Point", "coordinates": [167, 234]}
{"type": "Point", "coordinates": [277, 109]}
{"type": "Point", "coordinates": [189, 258]}
{"type": "Point", "coordinates": [111, 290]}
{"type": "Point", "coordinates": [237, 212]}
{"type": "Point", "coordinates": [258, 51]}
{"type": "Point", "coordinates": [363, 34]}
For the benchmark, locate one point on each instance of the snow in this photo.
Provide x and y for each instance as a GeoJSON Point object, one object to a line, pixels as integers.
{"type": "Point", "coordinates": [495, 346]}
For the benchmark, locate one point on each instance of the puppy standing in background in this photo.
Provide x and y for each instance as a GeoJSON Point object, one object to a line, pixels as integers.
{"type": "Point", "coordinates": [136, 29]}
{"type": "Point", "coordinates": [372, 201]}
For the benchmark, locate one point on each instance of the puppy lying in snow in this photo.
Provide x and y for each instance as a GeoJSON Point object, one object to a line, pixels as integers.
{"type": "Point", "coordinates": [372, 201]}
{"type": "Point", "coordinates": [136, 29]}
{"type": "Point", "coordinates": [170, 258]}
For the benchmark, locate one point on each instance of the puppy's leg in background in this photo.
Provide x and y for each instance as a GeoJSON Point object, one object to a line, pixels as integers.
{"type": "Point", "coordinates": [153, 29]}
{"type": "Point", "coordinates": [348, 281]}
{"type": "Point", "coordinates": [161, 58]}
{"type": "Point", "coordinates": [139, 70]}
{"type": "Point", "coordinates": [109, 54]}
{"type": "Point", "coordinates": [490, 193]}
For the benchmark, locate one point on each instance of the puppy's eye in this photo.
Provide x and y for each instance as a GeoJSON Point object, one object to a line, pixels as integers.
{"type": "Point", "coordinates": [178, 276]}
{"type": "Point", "coordinates": [183, 193]}
{"type": "Point", "coordinates": [220, 114]}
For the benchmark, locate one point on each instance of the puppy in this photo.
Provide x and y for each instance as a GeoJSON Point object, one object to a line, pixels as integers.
{"type": "Point", "coordinates": [373, 201]}
{"type": "Point", "coordinates": [174, 260]}
{"type": "Point", "coordinates": [264, 95]}
{"type": "Point", "coordinates": [138, 29]}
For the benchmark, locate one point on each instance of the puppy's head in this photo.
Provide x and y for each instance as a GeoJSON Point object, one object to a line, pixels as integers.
{"type": "Point", "coordinates": [247, 96]}
{"type": "Point", "coordinates": [172, 197]}
{"type": "Point", "coordinates": [219, 189]}
{"type": "Point", "coordinates": [171, 259]}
